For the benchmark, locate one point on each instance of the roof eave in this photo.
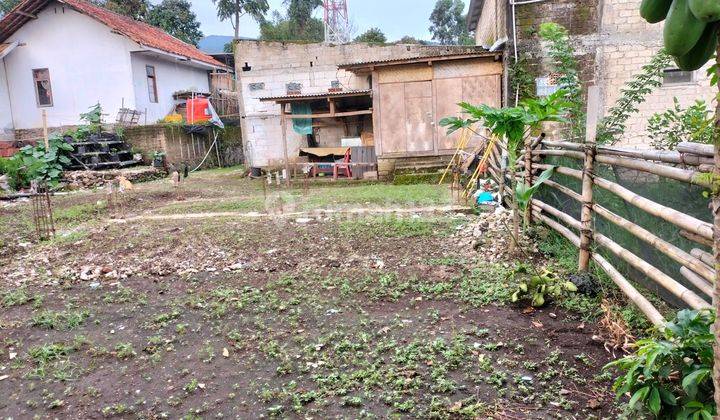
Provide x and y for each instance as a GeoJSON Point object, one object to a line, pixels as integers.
{"type": "Point", "coordinates": [364, 67]}
{"type": "Point", "coordinates": [181, 58]}
{"type": "Point", "coordinates": [474, 14]}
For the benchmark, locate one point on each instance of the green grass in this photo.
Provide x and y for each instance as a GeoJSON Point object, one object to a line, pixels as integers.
{"type": "Point", "coordinates": [379, 195]}
{"type": "Point", "coordinates": [397, 227]}
{"type": "Point", "coordinates": [77, 213]}
{"type": "Point", "coordinates": [15, 297]}
{"type": "Point", "coordinates": [245, 205]}
{"type": "Point", "coordinates": [65, 320]}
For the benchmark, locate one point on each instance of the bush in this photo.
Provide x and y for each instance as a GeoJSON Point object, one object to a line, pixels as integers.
{"type": "Point", "coordinates": [671, 375]}
{"type": "Point", "coordinates": [676, 125]}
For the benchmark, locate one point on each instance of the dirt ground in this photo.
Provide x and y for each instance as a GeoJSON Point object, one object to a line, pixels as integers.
{"type": "Point", "coordinates": [306, 314]}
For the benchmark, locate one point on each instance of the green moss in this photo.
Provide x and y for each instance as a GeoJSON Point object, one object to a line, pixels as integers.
{"type": "Point", "coordinates": [413, 179]}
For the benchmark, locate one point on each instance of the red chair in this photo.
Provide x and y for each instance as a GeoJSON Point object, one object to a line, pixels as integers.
{"type": "Point", "coordinates": [343, 166]}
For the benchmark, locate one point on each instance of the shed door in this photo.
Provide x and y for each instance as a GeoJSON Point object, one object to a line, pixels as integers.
{"type": "Point", "coordinates": [419, 117]}
{"type": "Point", "coordinates": [475, 90]}
{"type": "Point", "coordinates": [406, 117]}
{"type": "Point", "coordinates": [392, 118]}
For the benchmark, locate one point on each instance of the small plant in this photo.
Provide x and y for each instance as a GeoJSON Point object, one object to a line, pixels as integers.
{"type": "Point", "coordinates": [125, 351]}
{"type": "Point", "coordinates": [14, 297]}
{"type": "Point", "coordinates": [671, 375]}
{"type": "Point", "coordinates": [676, 125]}
{"type": "Point", "coordinates": [539, 286]}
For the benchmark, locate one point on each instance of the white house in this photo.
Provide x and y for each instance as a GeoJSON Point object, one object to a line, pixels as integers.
{"type": "Point", "coordinates": [63, 56]}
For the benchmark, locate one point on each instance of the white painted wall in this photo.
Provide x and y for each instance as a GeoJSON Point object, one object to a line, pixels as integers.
{"type": "Point", "coordinates": [171, 76]}
{"type": "Point", "coordinates": [6, 123]}
{"type": "Point", "coordinates": [87, 63]}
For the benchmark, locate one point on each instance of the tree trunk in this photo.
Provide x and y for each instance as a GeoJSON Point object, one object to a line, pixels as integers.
{"type": "Point", "coordinates": [716, 248]}
{"type": "Point", "coordinates": [237, 19]}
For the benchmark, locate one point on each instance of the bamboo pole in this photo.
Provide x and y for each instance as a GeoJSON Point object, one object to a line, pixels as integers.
{"type": "Point", "coordinates": [679, 174]}
{"type": "Point", "coordinates": [703, 256]}
{"type": "Point", "coordinates": [627, 288]}
{"type": "Point", "coordinates": [670, 284]}
{"type": "Point", "coordinates": [716, 239]}
{"type": "Point", "coordinates": [283, 121]}
{"type": "Point", "coordinates": [666, 156]}
{"type": "Point", "coordinates": [46, 138]}
{"type": "Point", "coordinates": [696, 148]}
{"type": "Point", "coordinates": [696, 238]}
{"type": "Point", "coordinates": [586, 228]}
{"type": "Point", "coordinates": [680, 219]}
{"type": "Point", "coordinates": [700, 283]}
{"type": "Point", "coordinates": [677, 254]}
{"type": "Point", "coordinates": [529, 173]}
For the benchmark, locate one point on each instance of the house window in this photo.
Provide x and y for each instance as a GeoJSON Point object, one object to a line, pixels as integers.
{"type": "Point", "coordinates": [43, 91]}
{"type": "Point", "coordinates": [676, 77]}
{"type": "Point", "coordinates": [152, 83]}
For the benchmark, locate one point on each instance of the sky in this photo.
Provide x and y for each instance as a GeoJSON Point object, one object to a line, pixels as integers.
{"type": "Point", "coordinates": [395, 18]}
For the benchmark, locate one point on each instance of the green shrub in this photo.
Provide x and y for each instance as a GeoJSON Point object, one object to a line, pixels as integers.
{"type": "Point", "coordinates": [676, 125]}
{"type": "Point", "coordinates": [670, 375]}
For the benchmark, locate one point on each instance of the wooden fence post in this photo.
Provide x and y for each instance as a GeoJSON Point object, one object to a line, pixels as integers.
{"type": "Point", "coordinates": [586, 225]}
{"type": "Point", "coordinates": [716, 243]}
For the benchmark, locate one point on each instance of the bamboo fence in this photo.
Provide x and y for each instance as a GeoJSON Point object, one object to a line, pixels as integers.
{"type": "Point", "coordinates": [694, 281]}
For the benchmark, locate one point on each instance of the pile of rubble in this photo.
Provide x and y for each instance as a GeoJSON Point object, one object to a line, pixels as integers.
{"type": "Point", "coordinates": [488, 235]}
{"type": "Point", "coordinates": [94, 179]}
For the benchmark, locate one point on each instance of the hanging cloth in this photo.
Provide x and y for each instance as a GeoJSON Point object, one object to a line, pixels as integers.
{"type": "Point", "coordinates": [302, 126]}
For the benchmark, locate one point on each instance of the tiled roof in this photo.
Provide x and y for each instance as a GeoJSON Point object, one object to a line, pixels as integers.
{"type": "Point", "coordinates": [319, 95]}
{"type": "Point", "coordinates": [451, 54]}
{"type": "Point", "coordinates": [140, 32]}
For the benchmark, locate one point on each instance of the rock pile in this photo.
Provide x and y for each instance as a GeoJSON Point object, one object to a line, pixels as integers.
{"type": "Point", "coordinates": [94, 179]}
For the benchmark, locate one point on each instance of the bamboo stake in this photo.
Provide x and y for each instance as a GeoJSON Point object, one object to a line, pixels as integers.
{"type": "Point", "coordinates": [627, 288]}
{"type": "Point", "coordinates": [679, 174]}
{"type": "Point", "coordinates": [529, 174]}
{"type": "Point", "coordinates": [586, 228]}
{"type": "Point", "coordinates": [680, 219]}
{"type": "Point", "coordinates": [677, 254]}
{"type": "Point", "coordinates": [670, 284]}
{"type": "Point", "coordinates": [46, 138]}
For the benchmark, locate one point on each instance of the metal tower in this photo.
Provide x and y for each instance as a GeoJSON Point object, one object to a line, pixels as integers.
{"type": "Point", "coordinates": [336, 21]}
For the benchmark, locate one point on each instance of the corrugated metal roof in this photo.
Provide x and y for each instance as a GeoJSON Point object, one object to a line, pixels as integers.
{"type": "Point", "coordinates": [454, 53]}
{"type": "Point", "coordinates": [140, 32]}
{"type": "Point", "coordinates": [319, 95]}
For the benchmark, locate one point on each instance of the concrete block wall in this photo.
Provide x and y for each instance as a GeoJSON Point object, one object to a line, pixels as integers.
{"type": "Point", "coordinates": [265, 68]}
{"type": "Point", "coordinates": [181, 147]}
{"type": "Point", "coordinates": [612, 44]}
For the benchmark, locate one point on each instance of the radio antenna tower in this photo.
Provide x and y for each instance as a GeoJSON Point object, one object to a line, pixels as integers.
{"type": "Point", "coordinates": [336, 21]}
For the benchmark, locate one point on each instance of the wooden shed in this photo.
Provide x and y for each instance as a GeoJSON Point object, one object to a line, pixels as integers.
{"type": "Point", "coordinates": [411, 96]}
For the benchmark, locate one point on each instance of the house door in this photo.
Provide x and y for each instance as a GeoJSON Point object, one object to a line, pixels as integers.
{"type": "Point", "coordinates": [406, 117]}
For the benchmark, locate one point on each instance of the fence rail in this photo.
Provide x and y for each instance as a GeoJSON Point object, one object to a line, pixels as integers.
{"type": "Point", "coordinates": [692, 284]}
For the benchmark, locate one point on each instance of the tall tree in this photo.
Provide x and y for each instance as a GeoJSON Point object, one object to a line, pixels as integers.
{"type": "Point", "coordinates": [447, 23]}
{"type": "Point", "coordinates": [372, 36]}
{"type": "Point", "coordinates": [235, 9]}
{"type": "Point", "coordinates": [300, 14]}
{"type": "Point", "coordinates": [407, 39]}
{"type": "Point", "coordinates": [136, 9]}
{"type": "Point", "coordinates": [176, 18]}
{"type": "Point", "coordinates": [282, 28]}
{"type": "Point", "coordinates": [7, 5]}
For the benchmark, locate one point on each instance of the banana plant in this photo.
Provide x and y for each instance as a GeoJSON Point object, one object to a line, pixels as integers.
{"type": "Point", "coordinates": [524, 192]}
